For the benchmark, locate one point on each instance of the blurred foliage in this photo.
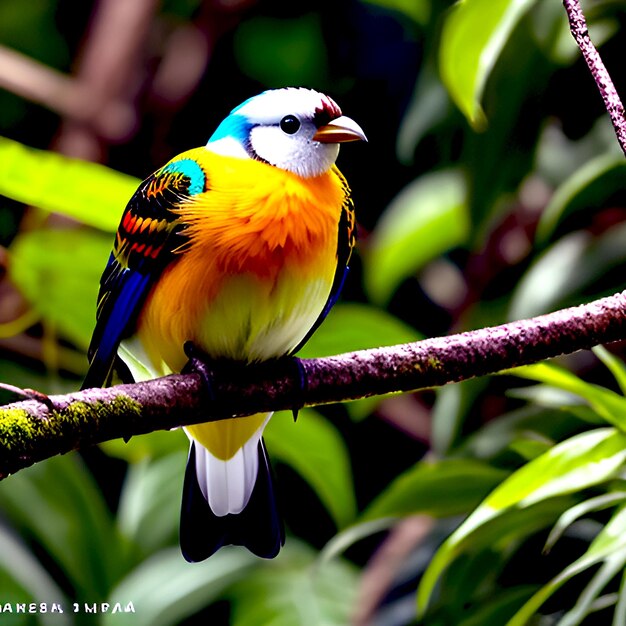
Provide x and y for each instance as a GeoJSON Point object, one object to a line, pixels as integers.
{"type": "Point", "coordinates": [490, 190]}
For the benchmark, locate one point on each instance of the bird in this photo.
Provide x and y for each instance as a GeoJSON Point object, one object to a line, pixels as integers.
{"type": "Point", "coordinates": [238, 248]}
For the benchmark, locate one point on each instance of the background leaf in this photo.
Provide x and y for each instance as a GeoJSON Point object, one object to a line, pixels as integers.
{"type": "Point", "coordinates": [59, 504]}
{"type": "Point", "coordinates": [427, 218]}
{"type": "Point", "coordinates": [24, 580]}
{"type": "Point", "coordinates": [165, 589]}
{"type": "Point", "coordinates": [474, 33]}
{"type": "Point", "coordinates": [87, 192]}
{"type": "Point", "coordinates": [439, 488]}
{"type": "Point", "coordinates": [586, 188]}
{"type": "Point", "coordinates": [293, 590]}
{"type": "Point", "coordinates": [579, 462]}
{"type": "Point", "coordinates": [606, 403]}
{"type": "Point", "coordinates": [315, 449]}
{"type": "Point", "coordinates": [609, 545]}
{"type": "Point", "coordinates": [574, 264]}
{"type": "Point", "coordinates": [59, 273]}
{"type": "Point", "coordinates": [149, 508]}
{"type": "Point", "coordinates": [351, 326]}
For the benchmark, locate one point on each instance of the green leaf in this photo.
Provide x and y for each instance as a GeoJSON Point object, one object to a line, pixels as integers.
{"type": "Point", "coordinates": [24, 579]}
{"type": "Point", "coordinates": [439, 488]}
{"type": "Point", "coordinates": [552, 275]}
{"type": "Point", "coordinates": [90, 193]}
{"type": "Point", "coordinates": [279, 51]}
{"type": "Point", "coordinates": [574, 264]}
{"type": "Point", "coordinates": [59, 271]}
{"type": "Point", "coordinates": [58, 504]}
{"type": "Point", "coordinates": [449, 412]}
{"type": "Point", "coordinates": [609, 546]}
{"type": "Point", "coordinates": [314, 448]}
{"type": "Point", "coordinates": [598, 503]}
{"type": "Point", "coordinates": [558, 157]}
{"type": "Point", "coordinates": [427, 218]}
{"type": "Point", "coordinates": [417, 10]}
{"type": "Point", "coordinates": [615, 365]}
{"type": "Point", "coordinates": [585, 189]}
{"type": "Point", "coordinates": [352, 534]}
{"type": "Point", "coordinates": [463, 580]}
{"type": "Point", "coordinates": [149, 508]}
{"type": "Point", "coordinates": [429, 106]}
{"type": "Point", "coordinates": [579, 462]}
{"type": "Point", "coordinates": [575, 464]}
{"type": "Point", "coordinates": [530, 447]}
{"type": "Point", "coordinates": [353, 326]}
{"type": "Point", "coordinates": [606, 403]}
{"type": "Point", "coordinates": [295, 589]}
{"type": "Point", "coordinates": [497, 610]}
{"type": "Point", "coordinates": [146, 447]}
{"type": "Point", "coordinates": [497, 436]}
{"type": "Point", "coordinates": [619, 617]}
{"type": "Point", "coordinates": [589, 598]}
{"type": "Point", "coordinates": [165, 589]}
{"type": "Point", "coordinates": [473, 36]}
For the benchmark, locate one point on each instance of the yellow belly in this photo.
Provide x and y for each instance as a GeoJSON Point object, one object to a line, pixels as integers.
{"type": "Point", "coordinates": [247, 320]}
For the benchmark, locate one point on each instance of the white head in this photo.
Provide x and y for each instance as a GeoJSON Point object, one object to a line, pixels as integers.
{"type": "Point", "coordinates": [295, 129]}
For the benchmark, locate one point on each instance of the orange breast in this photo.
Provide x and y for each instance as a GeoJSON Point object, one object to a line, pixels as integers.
{"type": "Point", "coordinates": [258, 267]}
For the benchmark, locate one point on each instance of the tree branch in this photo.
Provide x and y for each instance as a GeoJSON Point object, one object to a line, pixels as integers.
{"type": "Point", "coordinates": [612, 102]}
{"type": "Point", "coordinates": [38, 428]}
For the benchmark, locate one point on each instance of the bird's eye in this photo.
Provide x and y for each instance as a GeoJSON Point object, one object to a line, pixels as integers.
{"type": "Point", "coordinates": [290, 124]}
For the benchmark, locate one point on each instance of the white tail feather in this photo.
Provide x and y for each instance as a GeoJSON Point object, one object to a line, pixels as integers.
{"type": "Point", "coordinates": [227, 485]}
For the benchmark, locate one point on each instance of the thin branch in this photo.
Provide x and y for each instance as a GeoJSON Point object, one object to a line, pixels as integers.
{"type": "Point", "coordinates": [109, 74]}
{"type": "Point", "coordinates": [40, 83]}
{"type": "Point", "coordinates": [612, 102]}
{"type": "Point", "coordinates": [36, 429]}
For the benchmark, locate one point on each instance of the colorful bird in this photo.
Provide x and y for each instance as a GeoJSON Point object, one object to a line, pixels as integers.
{"type": "Point", "coordinates": [241, 248]}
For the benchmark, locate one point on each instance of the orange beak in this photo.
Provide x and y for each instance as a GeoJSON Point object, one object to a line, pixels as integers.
{"type": "Point", "coordinates": [340, 130]}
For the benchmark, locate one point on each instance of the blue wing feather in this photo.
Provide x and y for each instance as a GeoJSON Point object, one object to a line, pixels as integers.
{"type": "Point", "coordinates": [131, 290]}
{"type": "Point", "coordinates": [149, 233]}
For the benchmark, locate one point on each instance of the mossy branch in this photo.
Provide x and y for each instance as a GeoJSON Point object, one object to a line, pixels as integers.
{"type": "Point", "coordinates": [40, 427]}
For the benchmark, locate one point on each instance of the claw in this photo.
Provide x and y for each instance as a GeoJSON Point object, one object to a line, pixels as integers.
{"type": "Point", "coordinates": [198, 365]}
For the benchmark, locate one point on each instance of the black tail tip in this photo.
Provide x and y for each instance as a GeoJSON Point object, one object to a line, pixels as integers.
{"type": "Point", "coordinates": [259, 527]}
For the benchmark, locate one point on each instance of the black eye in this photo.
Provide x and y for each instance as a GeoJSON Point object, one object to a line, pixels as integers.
{"type": "Point", "coordinates": [290, 124]}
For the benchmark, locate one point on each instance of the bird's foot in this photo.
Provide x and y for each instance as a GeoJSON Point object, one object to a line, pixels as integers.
{"type": "Point", "coordinates": [301, 374]}
{"type": "Point", "coordinates": [199, 363]}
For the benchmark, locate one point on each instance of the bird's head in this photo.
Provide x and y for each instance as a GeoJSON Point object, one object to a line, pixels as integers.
{"type": "Point", "coordinates": [295, 129]}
